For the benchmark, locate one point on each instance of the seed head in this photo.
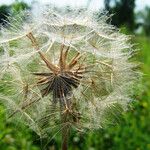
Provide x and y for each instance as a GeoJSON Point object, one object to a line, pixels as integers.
{"type": "Point", "coordinates": [65, 63]}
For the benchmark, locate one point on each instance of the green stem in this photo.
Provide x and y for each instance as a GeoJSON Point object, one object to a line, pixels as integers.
{"type": "Point", "coordinates": [65, 132]}
{"type": "Point", "coordinates": [65, 140]}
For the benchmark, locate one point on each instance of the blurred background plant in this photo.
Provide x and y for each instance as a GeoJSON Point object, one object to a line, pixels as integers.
{"type": "Point", "coordinates": [133, 130]}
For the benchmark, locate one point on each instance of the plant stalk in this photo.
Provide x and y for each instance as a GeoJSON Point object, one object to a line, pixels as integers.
{"type": "Point", "coordinates": [65, 131]}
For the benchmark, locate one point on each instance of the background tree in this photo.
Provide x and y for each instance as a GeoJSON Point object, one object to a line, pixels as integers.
{"type": "Point", "coordinates": [107, 4]}
{"type": "Point", "coordinates": [14, 8]}
{"type": "Point", "coordinates": [143, 20]}
{"type": "Point", "coordinates": [4, 12]}
{"type": "Point", "coordinates": [123, 11]}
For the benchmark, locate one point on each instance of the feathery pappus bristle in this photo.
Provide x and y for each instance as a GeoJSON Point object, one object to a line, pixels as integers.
{"type": "Point", "coordinates": [67, 65]}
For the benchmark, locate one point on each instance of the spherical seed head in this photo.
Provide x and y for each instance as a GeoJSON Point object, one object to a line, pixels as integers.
{"type": "Point", "coordinates": [65, 63]}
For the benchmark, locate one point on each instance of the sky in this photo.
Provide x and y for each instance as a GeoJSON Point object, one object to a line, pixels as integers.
{"type": "Point", "coordinates": [95, 4]}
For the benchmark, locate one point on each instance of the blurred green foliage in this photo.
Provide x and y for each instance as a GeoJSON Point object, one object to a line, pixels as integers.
{"type": "Point", "coordinates": [4, 12]}
{"type": "Point", "coordinates": [19, 6]}
{"type": "Point", "coordinates": [13, 9]}
{"type": "Point", "coordinates": [14, 137]}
